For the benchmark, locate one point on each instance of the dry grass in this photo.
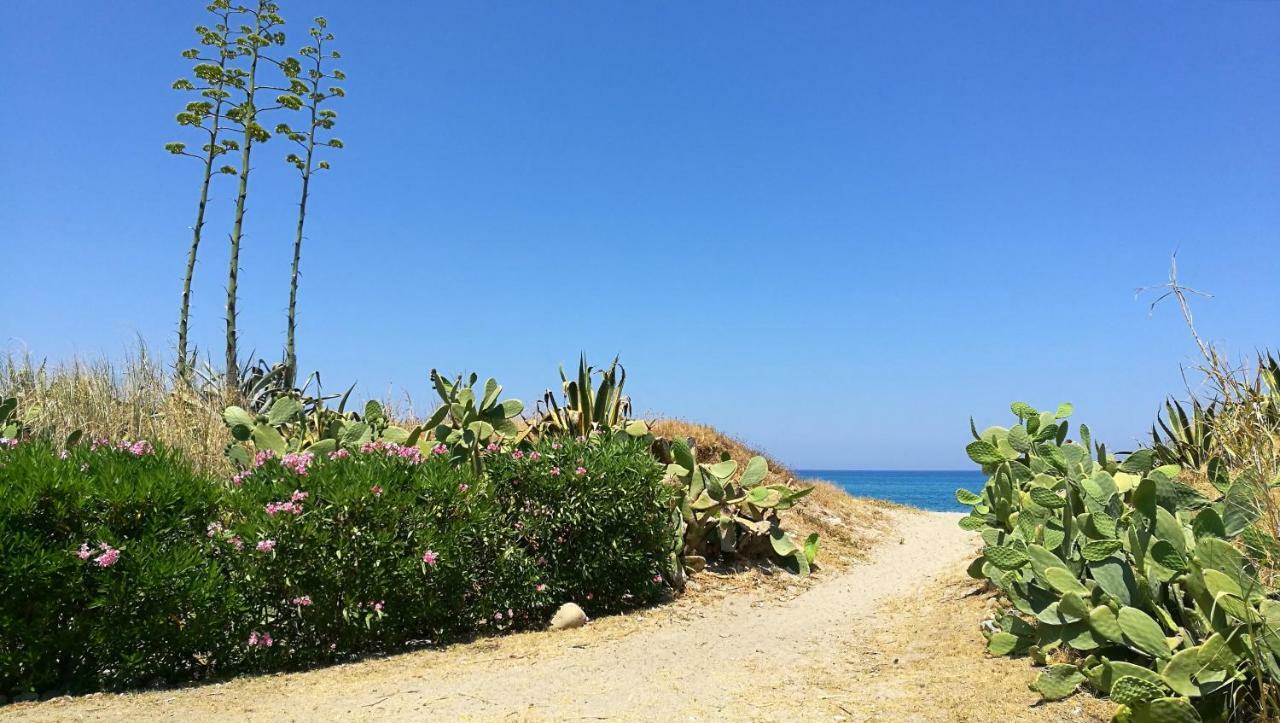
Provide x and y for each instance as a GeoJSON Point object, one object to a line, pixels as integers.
{"type": "Point", "coordinates": [131, 400]}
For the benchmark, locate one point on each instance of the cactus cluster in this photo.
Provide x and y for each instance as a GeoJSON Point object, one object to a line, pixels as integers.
{"type": "Point", "coordinates": [296, 423]}
{"type": "Point", "coordinates": [1150, 586]}
{"type": "Point", "coordinates": [720, 511]}
{"type": "Point", "coordinates": [466, 423]}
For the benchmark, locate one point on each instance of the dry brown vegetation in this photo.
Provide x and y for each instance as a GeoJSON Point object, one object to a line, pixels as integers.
{"type": "Point", "coordinates": [130, 400]}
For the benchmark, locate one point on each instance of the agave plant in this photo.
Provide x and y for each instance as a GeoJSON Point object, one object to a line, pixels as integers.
{"type": "Point", "coordinates": [1181, 439]}
{"type": "Point", "coordinates": [587, 409]}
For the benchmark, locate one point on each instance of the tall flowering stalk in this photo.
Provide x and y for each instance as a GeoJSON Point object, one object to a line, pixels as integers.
{"type": "Point", "coordinates": [318, 120]}
{"type": "Point", "coordinates": [251, 44]}
{"type": "Point", "coordinates": [205, 114]}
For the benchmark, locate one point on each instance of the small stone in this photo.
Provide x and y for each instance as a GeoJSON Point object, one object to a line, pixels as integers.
{"type": "Point", "coordinates": [568, 616]}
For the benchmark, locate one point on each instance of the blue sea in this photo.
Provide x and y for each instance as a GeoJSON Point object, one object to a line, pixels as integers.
{"type": "Point", "coordinates": [927, 489]}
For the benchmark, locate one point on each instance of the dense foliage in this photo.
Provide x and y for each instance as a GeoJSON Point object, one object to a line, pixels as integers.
{"type": "Point", "coordinates": [1124, 577]}
{"type": "Point", "coordinates": [120, 566]}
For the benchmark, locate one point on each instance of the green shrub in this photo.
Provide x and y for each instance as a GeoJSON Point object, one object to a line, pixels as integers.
{"type": "Point", "coordinates": [1150, 588]}
{"type": "Point", "coordinates": [592, 513]}
{"type": "Point", "coordinates": [303, 559]}
{"type": "Point", "coordinates": [85, 617]}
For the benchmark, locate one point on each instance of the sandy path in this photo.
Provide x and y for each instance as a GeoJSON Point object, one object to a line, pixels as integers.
{"type": "Point", "coordinates": [895, 638]}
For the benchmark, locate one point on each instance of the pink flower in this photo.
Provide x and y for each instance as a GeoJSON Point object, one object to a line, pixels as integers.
{"type": "Point", "coordinates": [261, 458]}
{"type": "Point", "coordinates": [589, 596]}
{"type": "Point", "coordinates": [84, 553]}
{"type": "Point", "coordinates": [263, 640]}
{"type": "Point", "coordinates": [339, 454]}
{"type": "Point", "coordinates": [463, 487]}
{"type": "Point", "coordinates": [302, 600]}
{"type": "Point", "coordinates": [580, 471]}
{"type": "Point", "coordinates": [298, 496]}
{"type": "Point", "coordinates": [293, 508]}
{"type": "Point", "coordinates": [239, 477]}
{"type": "Point", "coordinates": [108, 557]}
{"type": "Point", "coordinates": [491, 447]}
{"type": "Point", "coordinates": [555, 445]}
{"type": "Point", "coordinates": [555, 471]}
{"type": "Point", "coordinates": [430, 557]}
{"type": "Point", "coordinates": [265, 546]}
{"type": "Point", "coordinates": [540, 587]}
{"type": "Point", "coordinates": [518, 454]}
{"type": "Point", "coordinates": [535, 456]}
{"type": "Point", "coordinates": [377, 606]}
{"type": "Point", "coordinates": [214, 529]}
{"type": "Point", "coordinates": [297, 463]}
{"type": "Point", "coordinates": [497, 616]}
{"type": "Point", "coordinates": [657, 579]}
{"type": "Point", "coordinates": [376, 490]}
{"type": "Point", "coordinates": [236, 542]}
{"type": "Point", "coordinates": [439, 449]}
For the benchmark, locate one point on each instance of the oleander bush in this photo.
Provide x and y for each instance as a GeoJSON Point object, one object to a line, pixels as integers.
{"type": "Point", "coordinates": [105, 577]}
{"type": "Point", "coordinates": [121, 566]}
{"type": "Point", "coordinates": [1122, 577]}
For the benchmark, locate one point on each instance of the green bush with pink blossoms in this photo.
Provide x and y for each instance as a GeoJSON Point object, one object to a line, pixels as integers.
{"type": "Point", "coordinates": [120, 566]}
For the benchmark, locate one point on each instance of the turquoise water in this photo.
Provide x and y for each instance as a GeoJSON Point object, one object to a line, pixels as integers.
{"type": "Point", "coordinates": [927, 489]}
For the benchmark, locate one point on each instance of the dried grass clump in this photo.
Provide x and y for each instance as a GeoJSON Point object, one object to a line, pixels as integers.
{"type": "Point", "coordinates": [133, 400]}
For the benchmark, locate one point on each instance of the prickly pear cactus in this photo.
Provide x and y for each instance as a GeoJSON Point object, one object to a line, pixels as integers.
{"type": "Point", "coordinates": [1152, 583]}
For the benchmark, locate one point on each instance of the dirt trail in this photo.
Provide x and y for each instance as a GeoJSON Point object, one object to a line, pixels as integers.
{"type": "Point", "coordinates": [895, 638]}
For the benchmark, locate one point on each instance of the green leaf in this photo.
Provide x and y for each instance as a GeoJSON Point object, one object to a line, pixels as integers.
{"type": "Point", "coordinates": [963, 496]}
{"type": "Point", "coordinates": [266, 437]}
{"type": "Point", "coordinates": [984, 453]}
{"type": "Point", "coordinates": [1006, 558]}
{"type": "Point", "coordinates": [1064, 410]}
{"type": "Point", "coordinates": [811, 547]}
{"type": "Point", "coordinates": [1130, 691]}
{"type": "Point", "coordinates": [1100, 549]}
{"type": "Point", "coordinates": [238, 417]}
{"type": "Point", "coordinates": [1063, 581]}
{"type": "Point", "coordinates": [1143, 633]}
{"type": "Point", "coordinates": [1058, 681]}
{"type": "Point", "coordinates": [1002, 643]}
{"type": "Point", "coordinates": [1046, 498]}
{"type": "Point", "coordinates": [283, 410]}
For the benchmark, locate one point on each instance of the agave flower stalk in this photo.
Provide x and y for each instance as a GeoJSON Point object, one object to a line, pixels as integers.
{"type": "Point", "coordinates": [250, 45]}
{"type": "Point", "coordinates": [319, 120]}
{"type": "Point", "coordinates": [206, 115]}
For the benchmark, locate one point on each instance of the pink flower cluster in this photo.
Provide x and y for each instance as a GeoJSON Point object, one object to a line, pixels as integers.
{"type": "Point", "coordinates": [391, 449]}
{"type": "Point", "coordinates": [339, 454]}
{"type": "Point", "coordinates": [302, 601]}
{"type": "Point", "coordinates": [262, 640]}
{"type": "Point", "coordinates": [293, 506]}
{"type": "Point", "coordinates": [441, 449]}
{"type": "Point", "coordinates": [138, 449]}
{"type": "Point", "coordinates": [297, 463]}
{"type": "Point", "coordinates": [106, 558]}
{"type": "Point", "coordinates": [9, 442]}
{"type": "Point", "coordinates": [261, 458]}
{"type": "Point", "coordinates": [430, 557]}
{"type": "Point", "coordinates": [376, 490]}
{"type": "Point", "coordinates": [265, 546]}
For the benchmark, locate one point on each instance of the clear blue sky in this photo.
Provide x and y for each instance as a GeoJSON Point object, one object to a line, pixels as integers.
{"type": "Point", "coordinates": [834, 229]}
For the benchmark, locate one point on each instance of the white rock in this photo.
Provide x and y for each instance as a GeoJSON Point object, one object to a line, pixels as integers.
{"type": "Point", "coordinates": [568, 616]}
